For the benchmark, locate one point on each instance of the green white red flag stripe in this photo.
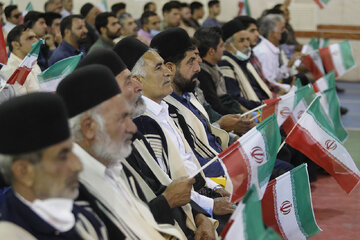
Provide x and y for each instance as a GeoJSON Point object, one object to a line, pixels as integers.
{"type": "Point", "coordinates": [322, 3]}
{"type": "Point", "coordinates": [103, 6]}
{"type": "Point", "coordinates": [287, 205]}
{"type": "Point", "coordinates": [3, 54]}
{"type": "Point", "coordinates": [314, 63]}
{"type": "Point", "coordinates": [325, 82]}
{"type": "Point", "coordinates": [51, 77]}
{"type": "Point", "coordinates": [284, 105]}
{"type": "Point", "coordinates": [338, 57]}
{"type": "Point", "coordinates": [330, 103]}
{"type": "Point", "coordinates": [29, 7]}
{"type": "Point", "coordinates": [250, 160]}
{"type": "Point", "coordinates": [244, 8]}
{"type": "Point", "coordinates": [246, 222]}
{"type": "Point", "coordinates": [315, 138]}
{"type": "Point", "coordinates": [26, 65]}
{"type": "Point", "coordinates": [297, 85]}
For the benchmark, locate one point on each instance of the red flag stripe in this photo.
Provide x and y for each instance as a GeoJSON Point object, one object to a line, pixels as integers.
{"type": "Point", "coordinates": [238, 169]}
{"type": "Point", "coordinates": [310, 64]}
{"type": "Point", "coordinates": [269, 206]}
{"type": "Point", "coordinates": [315, 86]}
{"type": "Point", "coordinates": [19, 75]}
{"type": "Point", "coordinates": [327, 60]}
{"type": "Point", "coordinates": [319, 3]}
{"type": "Point", "coordinates": [270, 108]}
{"type": "Point", "coordinates": [3, 54]}
{"type": "Point", "coordinates": [226, 228]}
{"type": "Point", "coordinates": [313, 150]}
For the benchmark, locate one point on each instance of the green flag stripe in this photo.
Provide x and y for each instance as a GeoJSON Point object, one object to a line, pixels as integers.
{"type": "Point", "coordinates": [334, 110]}
{"type": "Point", "coordinates": [270, 132]}
{"type": "Point", "coordinates": [346, 54]}
{"type": "Point", "coordinates": [302, 201]}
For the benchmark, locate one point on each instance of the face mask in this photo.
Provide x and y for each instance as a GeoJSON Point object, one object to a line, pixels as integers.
{"type": "Point", "coordinates": [241, 56]}
{"type": "Point", "coordinates": [154, 32]}
{"type": "Point", "coordinates": [56, 211]}
{"type": "Point", "coordinates": [283, 37]}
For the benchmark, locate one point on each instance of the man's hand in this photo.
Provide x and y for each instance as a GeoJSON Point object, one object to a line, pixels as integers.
{"type": "Point", "coordinates": [236, 123]}
{"type": "Point", "coordinates": [49, 41]}
{"type": "Point", "coordinates": [222, 206]}
{"type": "Point", "coordinates": [223, 192]}
{"type": "Point", "coordinates": [205, 229]}
{"type": "Point", "coordinates": [178, 192]}
{"type": "Point", "coordinates": [243, 125]}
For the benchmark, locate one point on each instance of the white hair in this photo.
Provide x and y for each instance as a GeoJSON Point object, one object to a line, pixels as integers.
{"type": "Point", "coordinates": [268, 23]}
{"type": "Point", "coordinates": [138, 69]}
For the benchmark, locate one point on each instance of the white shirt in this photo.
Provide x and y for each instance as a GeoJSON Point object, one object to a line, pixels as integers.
{"type": "Point", "coordinates": [64, 13]}
{"type": "Point", "coordinates": [268, 55]}
{"type": "Point", "coordinates": [161, 113]}
{"type": "Point", "coordinates": [8, 27]}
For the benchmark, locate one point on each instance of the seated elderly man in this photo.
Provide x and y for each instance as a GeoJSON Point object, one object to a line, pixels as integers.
{"type": "Point", "coordinates": [242, 81]}
{"type": "Point", "coordinates": [142, 160]}
{"type": "Point", "coordinates": [102, 127]}
{"type": "Point", "coordinates": [172, 151]}
{"type": "Point", "coordinates": [38, 161]}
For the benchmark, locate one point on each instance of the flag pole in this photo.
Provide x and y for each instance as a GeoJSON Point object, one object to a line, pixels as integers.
{"type": "Point", "coordinates": [253, 110]}
{"type": "Point", "coordinates": [204, 166]}
{"type": "Point", "coordinates": [302, 116]}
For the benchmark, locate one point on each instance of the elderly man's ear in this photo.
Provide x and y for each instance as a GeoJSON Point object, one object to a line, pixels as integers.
{"type": "Point", "coordinates": [23, 172]}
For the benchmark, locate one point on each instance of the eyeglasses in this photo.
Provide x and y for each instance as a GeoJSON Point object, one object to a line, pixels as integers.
{"type": "Point", "coordinates": [17, 15]}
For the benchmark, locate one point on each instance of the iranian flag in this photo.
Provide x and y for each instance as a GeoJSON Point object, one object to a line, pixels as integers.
{"type": "Point", "coordinates": [287, 205]}
{"type": "Point", "coordinates": [26, 65]}
{"type": "Point", "coordinates": [314, 63]}
{"type": "Point", "coordinates": [29, 7]}
{"type": "Point", "coordinates": [330, 103]}
{"type": "Point", "coordinates": [314, 136]}
{"type": "Point", "coordinates": [103, 6]}
{"type": "Point", "coordinates": [324, 83]}
{"type": "Point", "coordinates": [244, 8]}
{"type": "Point", "coordinates": [51, 77]}
{"type": "Point", "coordinates": [3, 53]}
{"type": "Point", "coordinates": [246, 222]}
{"type": "Point", "coordinates": [338, 57]}
{"type": "Point", "coordinates": [250, 160]}
{"type": "Point", "coordinates": [322, 3]}
{"type": "Point", "coordinates": [297, 85]}
{"type": "Point", "coordinates": [284, 105]}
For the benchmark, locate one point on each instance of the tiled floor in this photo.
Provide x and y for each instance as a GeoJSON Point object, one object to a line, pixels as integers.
{"type": "Point", "coordinates": [337, 213]}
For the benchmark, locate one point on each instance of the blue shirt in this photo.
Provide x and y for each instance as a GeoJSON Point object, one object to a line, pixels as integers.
{"type": "Point", "coordinates": [65, 50]}
{"type": "Point", "coordinates": [211, 22]}
{"type": "Point", "coordinates": [215, 169]}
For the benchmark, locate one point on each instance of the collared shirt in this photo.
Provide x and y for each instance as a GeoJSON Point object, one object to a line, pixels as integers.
{"type": "Point", "coordinates": [211, 22]}
{"type": "Point", "coordinates": [215, 168]}
{"type": "Point", "coordinates": [269, 55]}
{"type": "Point", "coordinates": [65, 50]}
{"type": "Point", "coordinates": [145, 35]}
{"type": "Point", "coordinates": [65, 13]}
{"type": "Point", "coordinates": [8, 27]}
{"type": "Point", "coordinates": [102, 43]}
{"type": "Point", "coordinates": [31, 83]}
{"type": "Point", "coordinates": [161, 113]}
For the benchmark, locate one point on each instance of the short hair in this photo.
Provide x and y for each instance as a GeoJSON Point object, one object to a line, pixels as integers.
{"type": "Point", "coordinates": [117, 7]}
{"type": "Point", "coordinates": [195, 5]}
{"type": "Point", "coordinates": [268, 24]}
{"type": "Point", "coordinates": [212, 3]}
{"type": "Point", "coordinates": [15, 34]}
{"type": "Point", "coordinates": [9, 9]}
{"type": "Point", "coordinates": [101, 20]}
{"type": "Point", "coordinates": [124, 16]}
{"type": "Point", "coordinates": [144, 19]}
{"type": "Point", "coordinates": [171, 5]}
{"type": "Point", "coordinates": [50, 17]}
{"type": "Point", "coordinates": [246, 20]}
{"type": "Point", "coordinates": [147, 6]}
{"type": "Point", "coordinates": [184, 4]}
{"type": "Point", "coordinates": [32, 17]}
{"type": "Point", "coordinates": [7, 160]}
{"type": "Point", "coordinates": [206, 38]}
{"type": "Point", "coordinates": [66, 23]}
{"type": "Point", "coordinates": [1, 4]}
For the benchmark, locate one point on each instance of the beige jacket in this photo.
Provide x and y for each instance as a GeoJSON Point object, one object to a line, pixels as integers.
{"type": "Point", "coordinates": [31, 84]}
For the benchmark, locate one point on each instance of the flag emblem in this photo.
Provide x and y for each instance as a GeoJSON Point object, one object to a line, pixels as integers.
{"type": "Point", "coordinates": [330, 144]}
{"type": "Point", "coordinates": [258, 154]}
{"type": "Point", "coordinates": [286, 207]}
{"type": "Point", "coordinates": [300, 113]}
{"type": "Point", "coordinates": [285, 112]}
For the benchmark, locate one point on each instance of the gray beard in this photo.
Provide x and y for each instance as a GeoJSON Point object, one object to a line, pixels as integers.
{"type": "Point", "coordinates": [139, 106]}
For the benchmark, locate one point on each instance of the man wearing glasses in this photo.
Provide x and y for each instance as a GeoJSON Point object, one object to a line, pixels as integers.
{"type": "Point", "coordinates": [12, 15]}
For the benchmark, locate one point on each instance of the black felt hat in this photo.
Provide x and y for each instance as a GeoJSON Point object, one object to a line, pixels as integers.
{"type": "Point", "coordinates": [85, 9]}
{"type": "Point", "coordinates": [87, 87]}
{"type": "Point", "coordinates": [104, 57]}
{"type": "Point", "coordinates": [32, 122]}
{"type": "Point", "coordinates": [130, 50]}
{"type": "Point", "coordinates": [230, 28]}
{"type": "Point", "coordinates": [171, 42]}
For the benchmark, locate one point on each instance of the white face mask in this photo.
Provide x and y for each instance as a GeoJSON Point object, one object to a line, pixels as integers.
{"type": "Point", "coordinates": [55, 211]}
{"type": "Point", "coordinates": [241, 56]}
